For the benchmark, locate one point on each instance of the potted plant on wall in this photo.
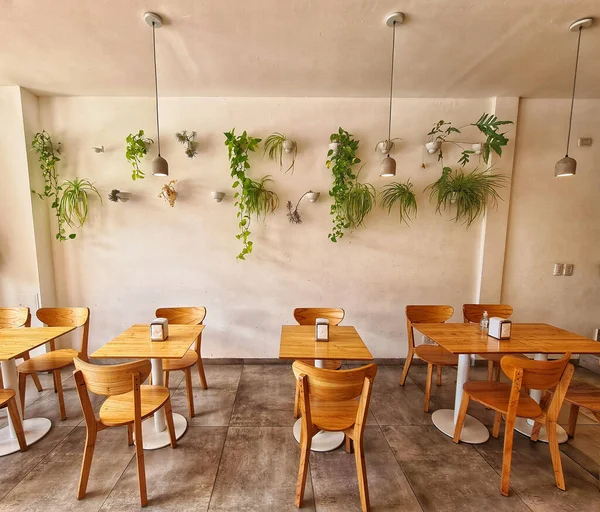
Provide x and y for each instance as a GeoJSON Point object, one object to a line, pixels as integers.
{"type": "Point", "coordinates": [189, 141]}
{"type": "Point", "coordinates": [135, 150]}
{"type": "Point", "coordinates": [402, 196]}
{"type": "Point", "coordinates": [73, 207]}
{"type": "Point", "coordinates": [334, 143]}
{"type": "Point", "coordinates": [276, 145]}
{"type": "Point", "coordinates": [168, 193]}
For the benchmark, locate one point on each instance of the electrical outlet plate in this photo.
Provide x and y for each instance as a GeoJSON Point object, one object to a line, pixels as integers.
{"type": "Point", "coordinates": [558, 269]}
{"type": "Point", "coordinates": [568, 271]}
{"type": "Point", "coordinates": [584, 142]}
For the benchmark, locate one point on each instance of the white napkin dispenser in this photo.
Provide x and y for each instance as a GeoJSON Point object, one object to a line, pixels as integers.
{"type": "Point", "coordinates": [499, 328]}
{"type": "Point", "coordinates": [322, 329]}
{"type": "Point", "coordinates": [159, 329]}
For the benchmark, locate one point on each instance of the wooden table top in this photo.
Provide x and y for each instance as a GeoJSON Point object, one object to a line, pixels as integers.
{"type": "Point", "coordinates": [525, 339]}
{"type": "Point", "coordinates": [135, 343]}
{"type": "Point", "coordinates": [17, 341]}
{"type": "Point", "coordinates": [298, 342]}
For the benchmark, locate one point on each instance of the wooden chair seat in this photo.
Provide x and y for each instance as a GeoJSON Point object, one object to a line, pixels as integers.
{"type": "Point", "coordinates": [8, 400]}
{"type": "Point", "coordinates": [5, 396]}
{"type": "Point", "coordinates": [333, 416]}
{"type": "Point", "coordinates": [119, 409]}
{"type": "Point", "coordinates": [49, 361]}
{"type": "Point", "coordinates": [582, 394]}
{"type": "Point", "coordinates": [496, 395]}
{"type": "Point", "coordinates": [434, 354]}
{"type": "Point", "coordinates": [330, 364]}
{"type": "Point", "coordinates": [188, 360]}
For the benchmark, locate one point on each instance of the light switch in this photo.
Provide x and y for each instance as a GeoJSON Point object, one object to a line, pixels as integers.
{"type": "Point", "coordinates": [584, 142]}
{"type": "Point", "coordinates": [558, 269]}
{"type": "Point", "coordinates": [568, 269]}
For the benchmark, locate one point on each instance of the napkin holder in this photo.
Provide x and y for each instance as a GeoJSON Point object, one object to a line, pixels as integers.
{"type": "Point", "coordinates": [159, 329]}
{"type": "Point", "coordinates": [322, 329]}
{"type": "Point", "coordinates": [499, 328]}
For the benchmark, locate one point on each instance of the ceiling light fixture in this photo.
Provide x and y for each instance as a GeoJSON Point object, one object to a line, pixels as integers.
{"type": "Point", "coordinates": [160, 166]}
{"type": "Point", "coordinates": [388, 164]}
{"type": "Point", "coordinates": [567, 166]}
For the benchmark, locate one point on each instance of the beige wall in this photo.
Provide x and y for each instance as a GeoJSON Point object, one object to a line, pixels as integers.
{"type": "Point", "coordinates": [555, 219]}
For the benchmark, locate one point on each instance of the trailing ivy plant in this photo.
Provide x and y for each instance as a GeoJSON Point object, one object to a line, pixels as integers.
{"type": "Point", "coordinates": [251, 197]}
{"type": "Point", "coordinates": [49, 155]}
{"type": "Point", "coordinates": [341, 163]}
{"type": "Point", "coordinates": [470, 193]}
{"type": "Point", "coordinates": [136, 149]}
{"type": "Point", "coordinates": [402, 195]}
{"type": "Point", "coordinates": [73, 207]}
{"type": "Point", "coordinates": [189, 140]}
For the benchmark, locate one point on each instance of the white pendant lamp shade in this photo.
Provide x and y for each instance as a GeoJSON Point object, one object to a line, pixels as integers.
{"type": "Point", "coordinates": [388, 167]}
{"type": "Point", "coordinates": [160, 167]}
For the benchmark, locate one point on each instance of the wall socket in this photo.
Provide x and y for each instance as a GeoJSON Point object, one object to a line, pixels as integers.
{"type": "Point", "coordinates": [584, 142]}
{"type": "Point", "coordinates": [568, 271]}
{"type": "Point", "coordinates": [558, 269]}
{"type": "Point", "coordinates": [563, 269]}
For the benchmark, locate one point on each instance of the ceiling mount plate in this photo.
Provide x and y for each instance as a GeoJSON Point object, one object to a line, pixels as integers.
{"type": "Point", "coordinates": [583, 23]}
{"type": "Point", "coordinates": [153, 19]}
{"type": "Point", "coordinates": [395, 18]}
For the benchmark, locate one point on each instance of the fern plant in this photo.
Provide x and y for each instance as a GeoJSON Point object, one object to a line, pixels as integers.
{"type": "Point", "coordinates": [136, 149]}
{"type": "Point", "coordinates": [189, 140]}
{"type": "Point", "coordinates": [275, 145]}
{"type": "Point", "coordinates": [402, 195]}
{"type": "Point", "coordinates": [73, 207]}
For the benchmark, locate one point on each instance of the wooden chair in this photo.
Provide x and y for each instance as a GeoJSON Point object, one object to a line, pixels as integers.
{"type": "Point", "coordinates": [513, 402]}
{"type": "Point", "coordinates": [328, 401]}
{"type": "Point", "coordinates": [128, 403]}
{"type": "Point", "coordinates": [582, 394]}
{"type": "Point", "coordinates": [54, 360]}
{"type": "Point", "coordinates": [8, 400]}
{"type": "Point", "coordinates": [431, 354]}
{"type": "Point", "coordinates": [308, 316]}
{"type": "Point", "coordinates": [13, 318]}
{"type": "Point", "coordinates": [473, 313]}
{"type": "Point", "coordinates": [187, 316]}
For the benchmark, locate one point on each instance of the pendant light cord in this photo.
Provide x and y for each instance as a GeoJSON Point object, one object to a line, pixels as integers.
{"type": "Point", "coordinates": [573, 93]}
{"type": "Point", "coordinates": [156, 86]}
{"type": "Point", "coordinates": [391, 85]}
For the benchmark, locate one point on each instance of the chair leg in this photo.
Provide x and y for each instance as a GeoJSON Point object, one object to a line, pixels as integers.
{"type": "Point", "coordinates": [54, 380]}
{"type": "Point", "coordinates": [86, 465]}
{"type": "Point", "coordinates": [460, 421]}
{"type": "Point", "coordinates": [573, 413]}
{"type": "Point", "coordinates": [509, 433]}
{"type": "Point", "coordinates": [555, 454]}
{"type": "Point", "coordinates": [36, 379]}
{"type": "Point", "coordinates": [428, 386]}
{"type": "Point", "coordinates": [61, 398]}
{"type": "Point", "coordinates": [490, 375]}
{"type": "Point", "coordinates": [439, 375]}
{"type": "Point", "coordinates": [13, 410]}
{"type": "Point", "coordinates": [1, 381]}
{"type": "Point", "coordinates": [497, 421]}
{"type": "Point", "coordinates": [305, 442]}
{"type": "Point", "coordinates": [297, 401]}
{"type": "Point", "coordinates": [141, 468]}
{"type": "Point", "coordinates": [170, 424]}
{"type": "Point", "coordinates": [201, 373]}
{"type": "Point", "coordinates": [407, 363]}
{"type": "Point", "coordinates": [129, 434]}
{"type": "Point", "coordinates": [167, 380]}
{"type": "Point", "coordinates": [497, 371]}
{"type": "Point", "coordinates": [190, 391]}
{"type": "Point", "coordinates": [349, 447]}
{"type": "Point", "coordinates": [361, 471]}
{"type": "Point", "coordinates": [22, 389]}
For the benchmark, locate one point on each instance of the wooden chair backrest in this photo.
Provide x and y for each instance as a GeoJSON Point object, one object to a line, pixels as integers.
{"type": "Point", "coordinates": [109, 380]}
{"type": "Point", "coordinates": [308, 316]}
{"type": "Point", "coordinates": [334, 385]}
{"type": "Point", "coordinates": [184, 316]}
{"type": "Point", "coordinates": [425, 314]}
{"type": "Point", "coordinates": [68, 317]}
{"type": "Point", "coordinates": [474, 312]}
{"type": "Point", "coordinates": [14, 317]}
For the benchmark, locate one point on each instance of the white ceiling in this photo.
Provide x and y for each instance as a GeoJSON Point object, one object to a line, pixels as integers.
{"type": "Point", "coordinates": [446, 48]}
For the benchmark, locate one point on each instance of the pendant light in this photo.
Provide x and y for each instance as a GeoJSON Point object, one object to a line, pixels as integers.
{"type": "Point", "coordinates": [388, 164]}
{"type": "Point", "coordinates": [160, 166]}
{"type": "Point", "coordinates": [567, 166]}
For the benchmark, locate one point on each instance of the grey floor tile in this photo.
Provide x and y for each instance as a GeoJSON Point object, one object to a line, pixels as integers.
{"type": "Point", "coordinates": [584, 448]}
{"type": "Point", "coordinates": [258, 472]}
{"type": "Point", "coordinates": [335, 482]}
{"type": "Point", "coordinates": [52, 484]}
{"type": "Point", "coordinates": [178, 479]}
{"type": "Point", "coordinates": [265, 396]}
{"type": "Point", "coordinates": [213, 406]}
{"type": "Point", "coordinates": [445, 475]}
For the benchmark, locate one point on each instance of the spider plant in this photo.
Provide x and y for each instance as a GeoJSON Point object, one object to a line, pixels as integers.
{"type": "Point", "coordinates": [401, 194]}
{"type": "Point", "coordinates": [73, 207]}
{"type": "Point", "coordinates": [189, 139]}
{"type": "Point", "coordinates": [470, 193]}
{"type": "Point", "coordinates": [275, 145]}
{"type": "Point", "coordinates": [259, 199]}
{"type": "Point", "coordinates": [358, 203]}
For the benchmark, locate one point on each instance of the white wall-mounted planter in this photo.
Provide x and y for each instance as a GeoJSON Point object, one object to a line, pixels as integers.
{"type": "Point", "coordinates": [312, 196]}
{"type": "Point", "coordinates": [433, 146]}
{"type": "Point", "coordinates": [217, 196]}
{"type": "Point", "coordinates": [288, 146]}
{"type": "Point", "coordinates": [477, 147]}
{"type": "Point", "coordinates": [334, 146]}
{"type": "Point", "coordinates": [385, 146]}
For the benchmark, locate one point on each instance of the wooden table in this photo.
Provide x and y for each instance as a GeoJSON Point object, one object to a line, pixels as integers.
{"type": "Point", "coordinates": [13, 344]}
{"type": "Point", "coordinates": [135, 343]}
{"type": "Point", "coordinates": [466, 339]}
{"type": "Point", "coordinates": [298, 342]}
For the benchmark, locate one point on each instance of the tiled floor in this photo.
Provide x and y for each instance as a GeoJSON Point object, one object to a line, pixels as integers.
{"type": "Point", "coordinates": [238, 454]}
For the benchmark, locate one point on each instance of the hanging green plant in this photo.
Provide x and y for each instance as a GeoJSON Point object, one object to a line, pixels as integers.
{"type": "Point", "coordinates": [341, 159]}
{"type": "Point", "coordinates": [136, 149]}
{"type": "Point", "coordinates": [189, 140]}
{"type": "Point", "coordinates": [49, 155]}
{"type": "Point", "coordinates": [470, 193]}
{"type": "Point", "coordinates": [276, 144]}
{"type": "Point", "coordinates": [359, 202]}
{"type": "Point", "coordinates": [73, 207]}
{"type": "Point", "coordinates": [400, 194]}
{"type": "Point", "coordinates": [251, 197]}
